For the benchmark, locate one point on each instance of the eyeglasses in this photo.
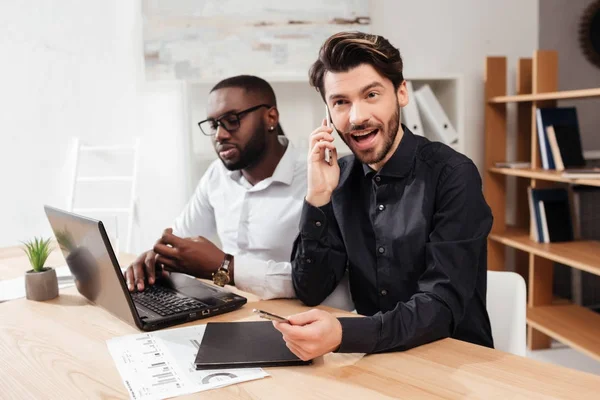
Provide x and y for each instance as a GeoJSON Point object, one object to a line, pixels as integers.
{"type": "Point", "coordinates": [230, 121]}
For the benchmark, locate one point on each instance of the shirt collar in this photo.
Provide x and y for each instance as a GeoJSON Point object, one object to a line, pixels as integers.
{"type": "Point", "coordinates": [284, 172]}
{"type": "Point", "coordinates": [402, 160]}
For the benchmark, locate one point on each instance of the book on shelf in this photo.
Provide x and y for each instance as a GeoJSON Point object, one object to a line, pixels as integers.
{"type": "Point", "coordinates": [545, 155]}
{"type": "Point", "coordinates": [558, 224]}
{"type": "Point", "coordinates": [533, 217]}
{"type": "Point", "coordinates": [563, 143]}
{"type": "Point", "coordinates": [558, 163]}
{"type": "Point", "coordinates": [581, 173]}
{"type": "Point", "coordinates": [550, 215]}
{"type": "Point", "coordinates": [544, 223]}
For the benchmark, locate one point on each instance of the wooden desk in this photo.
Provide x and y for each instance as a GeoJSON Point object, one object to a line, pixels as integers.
{"type": "Point", "coordinates": [57, 350]}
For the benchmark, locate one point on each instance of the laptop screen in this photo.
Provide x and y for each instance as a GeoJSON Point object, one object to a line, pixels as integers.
{"type": "Point", "coordinates": [86, 249]}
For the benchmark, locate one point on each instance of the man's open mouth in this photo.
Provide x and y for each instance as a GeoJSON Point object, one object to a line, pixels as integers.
{"type": "Point", "coordinates": [364, 135]}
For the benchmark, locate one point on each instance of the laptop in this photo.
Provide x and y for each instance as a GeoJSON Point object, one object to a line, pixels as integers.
{"type": "Point", "coordinates": [172, 300]}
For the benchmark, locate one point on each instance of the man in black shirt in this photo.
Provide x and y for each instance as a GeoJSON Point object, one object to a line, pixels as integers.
{"type": "Point", "coordinates": [405, 216]}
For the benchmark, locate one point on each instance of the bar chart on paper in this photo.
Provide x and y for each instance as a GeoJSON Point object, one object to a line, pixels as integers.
{"type": "Point", "coordinates": [161, 364]}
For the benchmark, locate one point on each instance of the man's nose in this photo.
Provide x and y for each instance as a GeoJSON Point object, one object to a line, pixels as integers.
{"type": "Point", "coordinates": [358, 115]}
{"type": "Point", "coordinates": [221, 134]}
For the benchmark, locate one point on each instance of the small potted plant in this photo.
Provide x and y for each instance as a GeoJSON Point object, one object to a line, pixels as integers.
{"type": "Point", "coordinates": [40, 282]}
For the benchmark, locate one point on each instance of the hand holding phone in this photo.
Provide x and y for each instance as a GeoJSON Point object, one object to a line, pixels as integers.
{"type": "Point", "coordinates": [269, 316]}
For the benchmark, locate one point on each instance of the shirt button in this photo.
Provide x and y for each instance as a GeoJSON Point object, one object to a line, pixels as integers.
{"type": "Point", "coordinates": [318, 223]}
{"type": "Point", "coordinates": [381, 207]}
{"type": "Point", "coordinates": [381, 250]}
{"type": "Point", "coordinates": [383, 292]}
{"type": "Point", "coordinates": [377, 179]}
{"type": "Point", "coordinates": [309, 261]}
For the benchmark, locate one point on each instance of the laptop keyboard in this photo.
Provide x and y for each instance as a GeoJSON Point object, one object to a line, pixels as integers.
{"type": "Point", "coordinates": [165, 302]}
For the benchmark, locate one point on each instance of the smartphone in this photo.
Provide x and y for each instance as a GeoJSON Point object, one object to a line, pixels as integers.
{"type": "Point", "coordinates": [329, 125]}
{"type": "Point", "coordinates": [269, 316]}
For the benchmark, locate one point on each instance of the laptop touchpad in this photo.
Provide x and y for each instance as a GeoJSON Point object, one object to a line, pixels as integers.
{"type": "Point", "coordinates": [201, 293]}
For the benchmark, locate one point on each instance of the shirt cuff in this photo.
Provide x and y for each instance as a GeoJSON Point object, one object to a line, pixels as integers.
{"type": "Point", "coordinates": [313, 221]}
{"type": "Point", "coordinates": [265, 279]}
{"type": "Point", "coordinates": [359, 335]}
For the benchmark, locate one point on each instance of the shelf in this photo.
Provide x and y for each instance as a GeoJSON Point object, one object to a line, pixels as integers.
{"type": "Point", "coordinates": [563, 95]}
{"type": "Point", "coordinates": [543, 174]}
{"type": "Point", "coordinates": [572, 325]}
{"type": "Point", "coordinates": [580, 254]}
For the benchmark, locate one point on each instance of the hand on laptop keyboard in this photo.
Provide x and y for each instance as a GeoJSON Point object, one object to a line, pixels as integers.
{"type": "Point", "coordinates": [195, 256]}
{"type": "Point", "coordinates": [143, 271]}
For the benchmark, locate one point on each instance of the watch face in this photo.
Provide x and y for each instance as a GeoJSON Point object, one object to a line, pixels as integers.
{"type": "Point", "coordinates": [221, 278]}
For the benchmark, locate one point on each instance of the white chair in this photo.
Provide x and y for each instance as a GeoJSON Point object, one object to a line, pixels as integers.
{"type": "Point", "coordinates": [341, 298]}
{"type": "Point", "coordinates": [507, 307]}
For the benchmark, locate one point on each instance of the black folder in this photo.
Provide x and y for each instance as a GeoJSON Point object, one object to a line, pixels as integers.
{"type": "Point", "coordinates": [244, 345]}
{"type": "Point", "coordinates": [569, 144]}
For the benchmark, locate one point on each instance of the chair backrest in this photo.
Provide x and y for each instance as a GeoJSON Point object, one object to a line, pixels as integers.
{"type": "Point", "coordinates": [341, 298]}
{"type": "Point", "coordinates": [507, 307]}
{"type": "Point", "coordinates": [130, 176]}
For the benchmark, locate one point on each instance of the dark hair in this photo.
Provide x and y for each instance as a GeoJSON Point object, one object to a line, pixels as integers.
{"type": "Point", "coordinates": [346, 50]}
{"type": "Point", "coordinates": [252, 84]}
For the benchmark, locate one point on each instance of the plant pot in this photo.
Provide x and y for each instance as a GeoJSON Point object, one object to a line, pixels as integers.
{"type": "Point", "coordinates": [41, 286]}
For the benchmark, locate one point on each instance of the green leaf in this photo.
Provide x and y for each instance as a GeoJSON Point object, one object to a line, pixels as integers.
{"type": "Point", "coordinates": [37, 251]}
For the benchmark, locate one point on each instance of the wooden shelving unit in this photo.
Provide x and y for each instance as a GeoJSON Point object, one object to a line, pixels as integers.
{"type": "Point", "coordinates": [537, 86]}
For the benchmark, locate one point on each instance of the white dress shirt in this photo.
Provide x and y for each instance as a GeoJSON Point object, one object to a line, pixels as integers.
{"type": "Point", "coordinates": [257, 224]}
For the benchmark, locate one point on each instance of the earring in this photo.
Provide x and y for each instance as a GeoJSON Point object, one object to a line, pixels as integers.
{"type": "Point", "coordinates": [271, 128]}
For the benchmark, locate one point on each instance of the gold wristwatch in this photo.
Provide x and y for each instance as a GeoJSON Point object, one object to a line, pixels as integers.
{"type": "Point", "coordinates": [221, 277]}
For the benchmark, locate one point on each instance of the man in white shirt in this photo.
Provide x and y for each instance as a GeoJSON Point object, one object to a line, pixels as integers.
{"type": "Point", "coordinates": [251, 198]}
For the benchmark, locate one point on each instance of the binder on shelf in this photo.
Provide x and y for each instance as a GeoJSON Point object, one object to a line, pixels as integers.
{"type": "Point", "coordinates": [559, 223]}
{"type": "Point", "coordinates": [568, 142]}
{"type": "Point", "coordinates": [566, 130]}
{"type": "Point", "coordinates": [533, 221]}
{"type": "Point", "coordinates": [412, 119]}
{"type": "Point", "coordinates": [435, 120]}
{"type": "Point", "coordinates": [544, 221]}
{"type": "Point", "coordinates": [545, 153]}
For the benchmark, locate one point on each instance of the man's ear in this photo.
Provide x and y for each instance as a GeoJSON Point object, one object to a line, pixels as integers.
{"type": "Point", "coordinates": [272, 119]}
{"type": "Point", "coordinates": [402, 94]}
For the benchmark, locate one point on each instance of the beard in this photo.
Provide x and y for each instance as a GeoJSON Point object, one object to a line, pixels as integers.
{"type": "Point", "coordinates": [373, 156]}
{"type": "Point", "coordinates": [253, 152]}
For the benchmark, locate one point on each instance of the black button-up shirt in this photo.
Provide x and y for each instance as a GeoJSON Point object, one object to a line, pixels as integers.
{"type": "Point", "coordinates": [413, 238]}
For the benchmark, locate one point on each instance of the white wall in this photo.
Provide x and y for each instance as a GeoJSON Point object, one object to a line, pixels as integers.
{"type": "Point", "coordinates": [65, 71]}
{"type": "Point", "coordinates": [437, 37]}
{"type": "Point", "coordinates": [559, 30]}
{"type": "Point", "coordinates": [74, 68]}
